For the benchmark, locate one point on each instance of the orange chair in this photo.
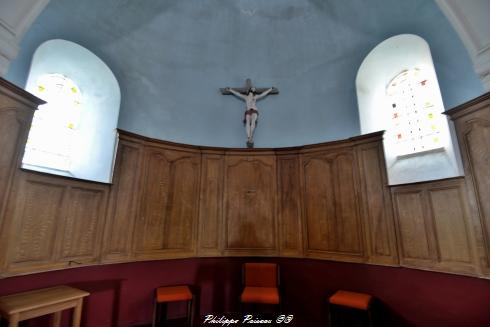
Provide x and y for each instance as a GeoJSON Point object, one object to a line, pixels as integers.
{"type": "Point", "coordinates": [166, 294]}
{"type": "Point", "coordinates": [261, 284]}
{"type": "Point", "coordinates": [353, 300]}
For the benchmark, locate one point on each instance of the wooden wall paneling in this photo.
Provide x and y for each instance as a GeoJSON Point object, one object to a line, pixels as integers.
{"type": "Point", "coordinates": [82, 223]}
{"type": "Point", "coordinates": [14, 128]}
{"type": "Point", "coordinates": [211, 204]}
{"type": "Point", "coordinates": [349, 227]}
{"type": "Point", "coordinates": [319, 204]}
{"type": "Point", "coordinates": [434, 227]}
{"type": "Point", "coordinates": [55, 223]}
{"type": "Point", "coordinates": [16, 112]}
{"type": "Point", "coordinates": [35, 213]}
{"type": "Point", "coordinates": [123, 205]}
{"type": "Point", "coordinates": [332, 225]}
{"type": "Point", "coordinates": [452, 227]}
{"type": "Point", "coordinates": [377, 210]}
{"type": "Point", "coordinates": [472, 124]}
{"type": "Point", "coordinates": [414, 230]}
{"type": "Point", "coordinates": [289, 205]}
{"type": "Point", "coordinates": [169, 204]}
{"type": "Point", "coordinates": [250, 225]}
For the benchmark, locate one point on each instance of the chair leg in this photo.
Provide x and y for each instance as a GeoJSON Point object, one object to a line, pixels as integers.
{"type": "Point", "coordinates": [155, 308]}
{"type": "Point", "coordinates": [190, 318]}
{"type": "Point", "coordinates": [159, 314]}
{"type": "Point", "coordinates": [329, 309]}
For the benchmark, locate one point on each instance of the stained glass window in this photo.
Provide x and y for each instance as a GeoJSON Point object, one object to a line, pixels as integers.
{"type": "Point", "coordinates": [51, 138]}
{"type": "Point", "coordinates": [415, 119]}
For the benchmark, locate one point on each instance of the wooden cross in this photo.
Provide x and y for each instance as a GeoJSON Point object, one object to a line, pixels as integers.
{"type": "Point", "coordinates": [246, 89]}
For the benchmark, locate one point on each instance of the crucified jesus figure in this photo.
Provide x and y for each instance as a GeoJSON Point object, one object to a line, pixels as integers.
{"type": "Point", "coordinates": [250, 97]}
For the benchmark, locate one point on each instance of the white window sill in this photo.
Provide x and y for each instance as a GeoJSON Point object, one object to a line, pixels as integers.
{"type": "Point", "coordinates": [420, 153]}
{"type": "Point", "coordinates": [47, 170]}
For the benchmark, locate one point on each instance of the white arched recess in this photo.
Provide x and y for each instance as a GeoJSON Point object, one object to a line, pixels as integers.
{"type": "Point", "coordinates": [95, 141]}
{"type": "Point", "coordinates": [382, 64]}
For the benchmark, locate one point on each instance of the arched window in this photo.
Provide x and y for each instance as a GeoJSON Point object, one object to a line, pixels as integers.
{"type": "Point", "coordinates": [74, 133]}
{"type": "Point", "coordinates": [51, 138]}
{"type": "Point", "coordinates": [398, 91]}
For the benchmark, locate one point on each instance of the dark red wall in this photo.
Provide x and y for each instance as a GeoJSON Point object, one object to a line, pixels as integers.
{"type": "Point", "coordinates": [121, 295]}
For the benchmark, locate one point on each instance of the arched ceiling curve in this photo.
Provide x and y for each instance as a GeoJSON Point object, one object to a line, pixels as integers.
{"type": "Point", "coordinates": [171, 56]}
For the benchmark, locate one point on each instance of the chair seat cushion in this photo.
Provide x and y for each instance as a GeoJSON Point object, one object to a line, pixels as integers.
{"type": "Point", "coordinates": [173, 293]}
{"type": "Point", "coordinates": [267, 295]}
{"type": "Point", "coordinates": [351, 299]}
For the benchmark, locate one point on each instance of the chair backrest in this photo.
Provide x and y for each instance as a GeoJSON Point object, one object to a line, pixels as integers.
{"type": "Point", "coordinates": [261, 274]}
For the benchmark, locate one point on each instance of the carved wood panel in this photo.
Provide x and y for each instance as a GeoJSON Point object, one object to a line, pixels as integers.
{"type": "Point", "coordinates": [169, 204]}
{"type": "Point", "coordinates": [434, 226]}
{"type": "Point", "coordinates": [377, 205]}
{"type": "Point", "coordinates": [10, 130]}
{"type": "Point", "coordinates": [55, 222]}
{"type": "Point", "coordinates": [451, 225]}
{"type": "Point", "coordinates": [123, 203]}
{"type": "Point", "coordinates": [289, 205]}
{"type": "Point", "coordinates": [16, 112]}
{"type": "Point", "coordinates": [413, 228]}
{"type": "Point", "coordinates": [472, 122]}
{"type": "Point", "coordinates": [331, 206]}
{"type": "Point", "coordinates": [83, 222]}
{"type": "Point", "coordinates": [211, 205]}
{"type": "Point", "coordinates": [476, 140]}
{"type": "Point", "coordinates": [250, 213]}
{"type": "Point", "coordinates": [36, 215]}
{"type": "Point", "coordinates": [15, 119]}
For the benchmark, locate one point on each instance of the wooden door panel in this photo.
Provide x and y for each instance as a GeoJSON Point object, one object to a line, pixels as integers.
{"type": "Point", "coordinates": [377, 205]}
{"type": "Point", "coordinates": [476, 141]}
{"type": "Point", "coordinates": [169, 203]}
{"type": "Point", "coordinates": [123, 203]}
{"type": "Point", "coordinates": [450, 221]}
{"type": "Point", "coordinates": [83, 223]}
{"type": "Point", "coordinates": [11, 130]}
{"type": "Point", "coordinates": [36, 219]}
{"type": "Point", "coordinates": [211, 202]}
{"type": "Point", "coordinates": [154, 203]}
{"type": "Point", "coordinates": [289, 201]}
{"type": "Point", "coordinates": [414, 236]}
{"type": "Point", "coordinates": [250, 204]}
{"type": "Point", "coordinates": [180, 212]}
{"type": "Point", "coordinates": [348, 224]}
{"type": "Point", "coordinates": [319, 202]}
{"type": "Point", "coordinates": [331, 206]}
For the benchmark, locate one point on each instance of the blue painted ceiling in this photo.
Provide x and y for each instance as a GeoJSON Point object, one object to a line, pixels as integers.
{"type": "Point", "coordinates": [171, 56]}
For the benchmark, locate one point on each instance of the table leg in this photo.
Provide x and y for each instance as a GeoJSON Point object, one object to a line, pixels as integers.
{"type": "Point", "coordinates": [56, 319]}
{"type": "Point", "coordinates": [14, 320]}
{"type": "Point", "coordinates": [77, 314]}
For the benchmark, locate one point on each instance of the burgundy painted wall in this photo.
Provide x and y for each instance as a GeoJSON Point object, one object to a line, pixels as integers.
{"type": "Point", "coordinates": [121, 294]}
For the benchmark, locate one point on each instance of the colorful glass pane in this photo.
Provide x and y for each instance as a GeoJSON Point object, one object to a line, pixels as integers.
{"type": "Point", "coordinates": [411, 91]}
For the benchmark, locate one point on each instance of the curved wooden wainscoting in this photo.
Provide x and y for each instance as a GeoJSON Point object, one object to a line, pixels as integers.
{"type": "Point", "coordinates": [325, 201]}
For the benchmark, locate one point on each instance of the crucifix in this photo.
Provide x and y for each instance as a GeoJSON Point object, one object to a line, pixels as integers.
{"type": "Point", "coordinates": [250, 95]}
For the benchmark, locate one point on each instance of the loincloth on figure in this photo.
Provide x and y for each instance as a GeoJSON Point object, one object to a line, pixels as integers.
{"type": "Point", "coordinates": [250, 112]}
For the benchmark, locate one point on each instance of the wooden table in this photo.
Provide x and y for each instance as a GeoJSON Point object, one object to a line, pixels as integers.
{"type": "Point", "coordinates": [27, 305]}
